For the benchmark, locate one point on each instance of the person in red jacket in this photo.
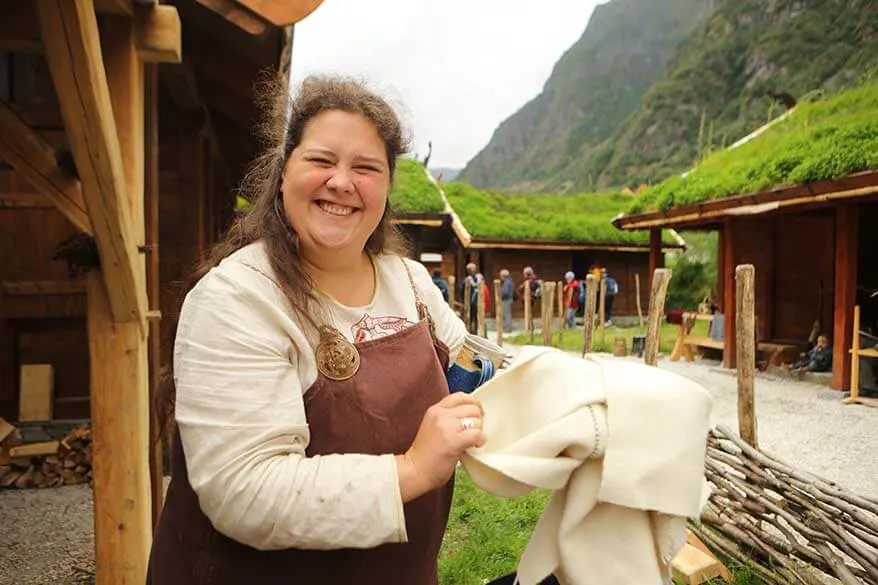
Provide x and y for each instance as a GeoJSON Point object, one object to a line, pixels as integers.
{"type": "Point", "coordinates": [571, 299]}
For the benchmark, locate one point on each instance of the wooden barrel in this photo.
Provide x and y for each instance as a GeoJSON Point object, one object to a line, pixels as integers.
{"type": "Point", "coordinates": [620, 347]}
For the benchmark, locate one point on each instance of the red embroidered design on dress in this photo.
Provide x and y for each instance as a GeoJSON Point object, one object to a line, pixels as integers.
{"type": "Point", "coordinates": [376, 327]}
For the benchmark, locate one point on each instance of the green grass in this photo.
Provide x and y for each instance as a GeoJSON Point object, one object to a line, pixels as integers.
{"type": "Point", "coordinates": [580, 218]}
{"type": "Point", "coordinates": [826, 139]}
{"type": "Point", "coordinates": [487, 534]}
{"type": "Point", "coordinates": [572, 339]}
{"type": "Point", "coordinates": [413, 191]}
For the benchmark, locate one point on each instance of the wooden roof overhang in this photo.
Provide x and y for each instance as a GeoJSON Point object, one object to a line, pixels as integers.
{"type": "Point", "coordinates": [797, 197]}
{"type": "Point", "coordinates": [481, 244]}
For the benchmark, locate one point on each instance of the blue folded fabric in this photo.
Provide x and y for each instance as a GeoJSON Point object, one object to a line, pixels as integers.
{"type": "Point", "coordinates": [462, 380]}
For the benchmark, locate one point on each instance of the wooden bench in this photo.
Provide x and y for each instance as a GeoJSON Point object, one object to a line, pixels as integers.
{"type": "Point", "coordinates": [778, 350]}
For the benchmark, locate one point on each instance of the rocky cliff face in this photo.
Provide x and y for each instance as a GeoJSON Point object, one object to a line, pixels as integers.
{"type": "Point", "coordinates": [621, 109]}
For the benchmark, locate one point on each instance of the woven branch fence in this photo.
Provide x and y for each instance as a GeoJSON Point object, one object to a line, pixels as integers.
{"type": "Point", "coordinates": [789, 526]}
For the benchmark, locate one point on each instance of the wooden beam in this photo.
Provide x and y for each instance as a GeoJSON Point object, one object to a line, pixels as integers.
{"type": "Point", "coordinates": [120, 434]}
{"type": "Point", "coordinates": [70, 35]}
{"type": "Point", "coordinates": [158, 36]}
{"type": "Point", "coordinates": [35, 160]}
{"type": "Point", "coordinates": [729, 262]}
{"type": "Point", "coordinates": [158, 28]}
{"type": "Point", "coordinates": [153, 285]}
{"type": "Point", "coordinates": [656, 257]}
{"type": "Point", "coordinates": [846, 262]}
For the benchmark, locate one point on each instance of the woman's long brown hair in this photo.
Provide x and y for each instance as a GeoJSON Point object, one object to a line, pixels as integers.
{"type": "Point", "coordinates": [284, 121]}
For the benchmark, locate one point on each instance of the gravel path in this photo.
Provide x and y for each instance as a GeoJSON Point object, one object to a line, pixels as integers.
{"type": "Point", "coordinates": [46, 536]}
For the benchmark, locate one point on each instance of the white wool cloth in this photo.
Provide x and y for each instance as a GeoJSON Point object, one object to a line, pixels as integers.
{"type": "Point", "coordinates": [621, 444]}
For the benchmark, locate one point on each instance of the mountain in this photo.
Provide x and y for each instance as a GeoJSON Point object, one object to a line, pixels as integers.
{"type": "Point", "coordinates": [719, 80]}
{"type": "Point", "coordinates": [712, 89]}
{"type": "Point", "coordinates": [593, 88]}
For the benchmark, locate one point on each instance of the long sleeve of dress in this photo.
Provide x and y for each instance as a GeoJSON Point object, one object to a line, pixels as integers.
{"type": "Point", "coordinates": [241, 417]}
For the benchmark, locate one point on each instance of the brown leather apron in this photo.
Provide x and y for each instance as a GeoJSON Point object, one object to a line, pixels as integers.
{"type": "Point", "coordinates": [377, 411]}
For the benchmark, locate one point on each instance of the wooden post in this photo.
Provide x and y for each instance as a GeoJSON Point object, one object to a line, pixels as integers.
{"type": "Point", "coordinates": [603, 311]}
{"type": "Point", "coordinates": [480, 312]}
{"type": "Point", "coordinates": [637, 289]}
{"type": "Point", "coordinates": [656, 256]}
{"type": "Point", "coordinates": [728, 262]}
{"type": "Point", "coordinates": [591, 297]}
{"type": "Point", "coordinates": [745, 315]}
{"type": "Point", "coordinates": [660, 281]}
{"type": "Point", "coordinates": [452, 291]}
{"type": "Point", "coordinates": [562, 310]}
{"type": "Point", "coordinates": [528, 317]}
{"type": "Point", "coordinates": [467, 305]}
{"type": "Point", "coordinates": [547, 305]}
{"type": "Point", "coordinates": [151, 210]}
{"type": "Point", "coordinates": [846, 245]}
{"type": "Point", "coordinates": [120, 442]}
{"type": "Point", "coordinates": [498, 311]}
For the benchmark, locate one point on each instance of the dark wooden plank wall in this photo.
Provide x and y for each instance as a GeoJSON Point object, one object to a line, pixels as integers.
{"type": "Point", "coordinates": [794, 259]}
{"type": "Point", "coordinates": [38, 328]}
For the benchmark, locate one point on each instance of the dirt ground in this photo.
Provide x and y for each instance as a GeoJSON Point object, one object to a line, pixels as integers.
{"type": "Point", "coordinates": [46, 536]}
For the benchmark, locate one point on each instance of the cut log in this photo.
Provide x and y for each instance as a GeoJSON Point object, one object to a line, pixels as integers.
{"type": "Point", "coordinates": [692, 566]}
{"type": "Point", "coordinates": [34, 449]}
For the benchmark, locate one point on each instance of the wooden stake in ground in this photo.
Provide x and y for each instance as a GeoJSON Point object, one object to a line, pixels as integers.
{"type": "Point", "coordinates": [637, 298]}
{"type": "Point", "coordinates": [591, 297]}
{"type": "Point", "coordinates": [745, 324]}
{"type": "Point", "coordinates": [603, 311]}
{"type": "Point", "coordinates": [481, 328]}
{"type": "Point", "coordinates": [548, 310]}
{"type": "Point", "coordinates": [498, 311]}
{"type": "Point", "coordinates": [562, 311]}
{"type": "Point", "coordinates": [528, 309]}
{"type": "Point", "coordinates": [660, 280]}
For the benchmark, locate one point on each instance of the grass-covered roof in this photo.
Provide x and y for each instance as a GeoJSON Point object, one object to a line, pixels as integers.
{"type": "Point", "coordinates": [825, 139]}
{"type": "Point", "coordinates": [413, 191]}
{"type": "Point", "coordinates": [580, 219]}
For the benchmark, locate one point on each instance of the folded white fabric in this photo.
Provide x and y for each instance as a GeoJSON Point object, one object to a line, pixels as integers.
{"type": "Point", "coordinates": [621, 444]}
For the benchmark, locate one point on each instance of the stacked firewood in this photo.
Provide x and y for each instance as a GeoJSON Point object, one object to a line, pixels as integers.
{"type": "Point", "coordinates": [789, 526]}
{"type": "Point", "coordinates": [45, 464]}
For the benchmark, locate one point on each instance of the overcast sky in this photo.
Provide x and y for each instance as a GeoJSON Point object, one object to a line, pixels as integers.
{"type": "Point", "coordinates": [457, 68]}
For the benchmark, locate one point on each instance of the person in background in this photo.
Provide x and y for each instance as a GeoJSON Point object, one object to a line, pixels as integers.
{"type": "Point", "coordinates": [315, 436]}
{"type": "Point", "coordinates": [612, 289]}
{"type": "Point", "coordinates": [818, 358]}
{"type": "Point", "coordinates": [486, 292]}
{"type": "Point", "coordinates": [571, 299]}
{"type": "Point", "coordinates": [471, 300]}
{"type": "Point", "coordinates": [441, 284]}
{"type": "Point", "coordinates": [531, 278]}
{"type": "Point", "coordinates": [507, 297]}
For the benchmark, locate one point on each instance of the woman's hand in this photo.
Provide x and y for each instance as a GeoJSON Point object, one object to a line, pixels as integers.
{"type": "Point", "coordinates": [440, 441]}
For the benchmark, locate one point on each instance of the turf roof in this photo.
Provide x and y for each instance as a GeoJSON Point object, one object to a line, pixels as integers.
{"type": "Point", "coordinates": [825, 139]}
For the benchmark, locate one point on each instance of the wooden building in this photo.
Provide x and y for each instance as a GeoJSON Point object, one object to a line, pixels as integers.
{"type": "Point", "coordinates": [814, 245]}
{"type": "Point", "coordinates": [463, 237]}
{"type": "Point", "coordinates": [124, 126]}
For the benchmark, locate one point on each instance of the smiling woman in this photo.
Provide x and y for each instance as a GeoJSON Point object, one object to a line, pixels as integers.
{"type": "Point", "coordinates": [316, 438]}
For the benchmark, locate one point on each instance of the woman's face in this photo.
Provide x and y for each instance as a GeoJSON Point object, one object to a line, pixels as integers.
{"type": "Point", "coordinates": [336, 182]}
